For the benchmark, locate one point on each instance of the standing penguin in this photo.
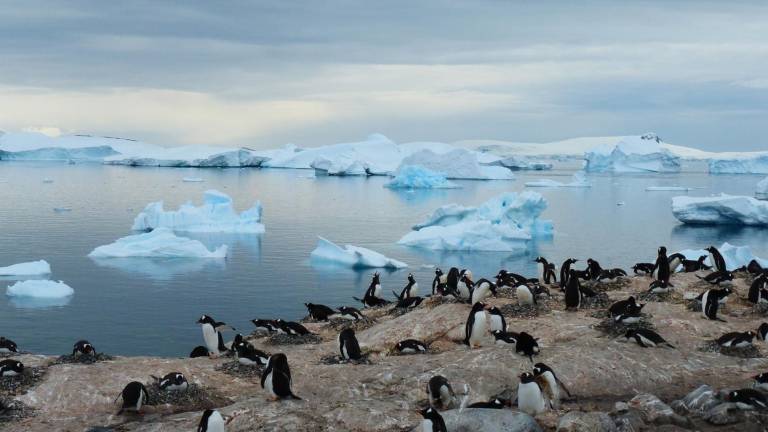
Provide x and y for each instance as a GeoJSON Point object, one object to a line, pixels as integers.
{"type": "Point", "coordinates": [433, 421]}
{"type": "Point", "coordinates": [481, 290]}
{"type": "Point", "coordinates": [212, 335]}
{"type": "Point", "coordinates": [544, 372]}
{"type": "Point", "coordinates": [757, 291]}
{"type": "Point", "coordinates": [572, 292]}
{"type": "Point", "coordinates": [716, 259]}
{"type": "Point", "coordinates": [134, 396]}
{"type": "Point", "coordinates": [411, 289]}
{"type": "Point", "coordinates": [565, 272]}
{"type": "Point", "coordinates": [440, 392]}
{"type": "Point", "coordinates": [661, 269]}
{"type": "Point", "coordinates": [437, 282]}
{"type": "Point", "coordinates": [546, 270]}
{"type": "Point", "coordinates": [212, 421]}
{"type": "Point", "coordinates": [497, 321]}
{"type": "Point", "coordinates": [477, 325]}
{"type": "Point", "coordinates": [594, 269]}
{"type": "Point", "coordinates": [276, 378]}
{"type": "Point", "coordinates": [525, 296]}
{"type": "Point", "coordinates": [348, 346]}
{"type": "Point", "coordinates": [530, 398]}
{"type": "Point", "coordinates": [710, 302]}
{"type": "Point", "coordinates": [762, 332]}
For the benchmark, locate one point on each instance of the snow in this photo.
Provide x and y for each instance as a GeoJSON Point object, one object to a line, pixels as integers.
{"type": "Point", "coordinates": [503, 223]}
{"type": "Point", "coordinates": [632, 154]}
{"type": "Point", "coordinates": [579, 181]}
{"type": "Point", "coordinates": [39, 289]}
{"type": "Point", "coordinates": [217, 214]}
{"type": "Point", "coordinates": [34, 268]}
{"type": "Point", "coordinates": [198, 156]}
{"type": "Point", "coordinates": [457, 164]}
{"type": "Point", "coordinates": [668, 188]}
{"type": "Point", "coordinates": [418, 177]}
{"type": "Point", "coordinates": [37, 146]}
{"type": "Point", "coordinates": [351, 256]}
{"type": "Point", "coordinates": [735, 256]}
{"type": "Point", "coordinates": [721, 210]}
{"type": "Point", "coordinates": [761, 190]}
{"type": "Point", "coordinates": [159, 243]}
{"type": "Point", "coordinates": [744, 164]}
{"type": "Point", "coordinates": [343, 165]}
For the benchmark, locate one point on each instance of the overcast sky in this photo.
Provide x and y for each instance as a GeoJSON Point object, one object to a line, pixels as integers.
{"type": "Point", "coordinates": [263, 73]}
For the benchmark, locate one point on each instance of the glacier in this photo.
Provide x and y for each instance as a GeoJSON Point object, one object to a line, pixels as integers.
{"type": "Point", "coordinates": [39, 289]}
{"type": "Point", "coordinates": [158, 243]}
{"type": "Point", "coordinates": [418, 177]}
{"type": "Point", "coordinates": [721, 210]}
{"type": "Point", "coordinates": [34, 268]}
{"type": "Point", "coordinates": [761, 190]}
{"type": "Point", "coordinates": [504, 223]}
{"type": "Point", "coordinates": [216, 214]}
{"type": "Point", "coordinates": [756, 164]}
{"type": "Point", "coordinates": [734, 256]}
{"type": "Point", "coordinates": [632, 154]}
{"type": "Point", "coordinates": [579, 180]}
{"type": "Point", "coordinates": [351, 256]}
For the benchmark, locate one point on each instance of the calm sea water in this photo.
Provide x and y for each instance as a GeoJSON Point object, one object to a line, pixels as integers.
{"type": "Point", "coordinates": [149, 306]}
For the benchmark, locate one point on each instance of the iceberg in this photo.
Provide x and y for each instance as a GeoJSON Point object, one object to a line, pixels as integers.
{"type": "Point", "coordinates": [755, 164]}
{"type": "Point", "coordinates": [505, 223]}
{"type": "Point", "coordinates": [457, 164]}
{"type": "Point", "coordinates": [579, 181]}
{"type": "Point", "coordinates": [761, 190]}
{"type": "Point", "coordinates": [516, 163]}
{"type": "Point", "coordinates": [217, 214]}
{"type": "Point", "coordinates": [735, 256]}
{"type": "Point", "coordinates": [193, 156]}
{"type": "Point", "coordinates": [34, 268]}
{"type": "Point", "coordinates": [352, 256]}
{"type": "Point", "coordinates": [340, 166]}
{"type": "Point", "coordinates": [39, 289]}
{"type": "Point", "coordinates": [158, 243]}
{"type": "Point", "coordinates": [668, 188]}
{"type": "Point", "coordinates": [418, 177]}
{"type": "Point", "coordinates": [192, 180]}
{"type": "Point", "coordinates": [721, 210]}
{"type": "Point", "coordinates": [632, 154]}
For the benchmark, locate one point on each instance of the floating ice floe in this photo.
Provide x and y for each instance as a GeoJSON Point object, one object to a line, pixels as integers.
{"type": "Point", "coordinates": [668, 188]}
{"type": "Point", "coordinates": [217, 214]}
{"type": "Point", "coordinates": [33, 268]}
{"type": "Point", "coordinates": [504, 223]}
{"type": "Point", "coordinates": [735, 256]}
{"type": "Point", "coordinates": [747, 164]}
{"type": "Point", "coordinates": [192, 180]}
{"type": "Point", "coordinates": [579, 181]}
{"type": "Point", "coordinates": [351, 256]}
{"type": "Point", "coordinates": [721, 210]}
{"type": "Point", "coordinates": [418, 177]}
{"type": "Point", "coordinates": [39, 289]}
{"type": "Point", "coordinates": [761, 190]}
{"type": "Point", "coordinates": [632, 154]}
{"type": "Point", "coordinates": [159, 243]}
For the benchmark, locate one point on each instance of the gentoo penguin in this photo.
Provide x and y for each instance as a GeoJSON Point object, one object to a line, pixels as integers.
{"type": "Point", "coordinates": [248, 355]}
{"type": "Point", "coordinates": [594, 269]}
{"type": "Point", "coordinates": [276, 378]}
{"type": "Point", "coordinates": [611, 274]}
{"type": "Point", "coordinates": [505, 338]}
{"type": "Point", "coordinates": [718, 277]}
{"type": "Point", "coordinates": [8, 346]}
{"type": "Point", "coordinates": [291, 328]}
{"type": "Point", "coordinates": [572, 292]}
{"type": "Point", "coordinates": [374, 289]}
{"type": "Point", "coordinates": [319, 312]}
{"type": "Point", "coordinates": [762, 332]}
{"type": "Point", "coordinates": [757, 291]}
{"type": "Point", "coordinates": [754, 268]}
{"type": "Point", "coordinates": [761, 381]}
{"type": "Point", "coordinates": [646, 338]}
{"type": "Point", "coordinates": [622, 306]}
{"type": "Point", "coordinates": [348, 346]}
{"type": "Point", "coordinates": [409, 302]}
{"type": "Point", "coordinates": [675, 260]}
{"type": "Point", "coordinates": [693, 266]}
{"type": "Point", "coordinates": [262, 325]}
{"type": "Point", "coordinates": [199, 351]}
{"type": "Point", "coordinates": [748, 399]}
{"type": "Point", "coordinates": [661, 269]}
{"type": "Point", "coordinates": [494, 403]}
{"type": "Point", "coordinates": [627, 318]}
{"type": "Point", "coordinates": [530, 398]}
{"type": "Point", "coordinates": [721, 293]}
{"type": "Point", "coordinates": [452, 282]}
{"type": "Point", "coordinates": [497, 321]}
{"type": "Point", "coordinates": [716, 259]}
{"type": "Point", "coordinates": [411, 346]}
{"type": "Point", "coordinates": [544, 372]}
{"type": "Point", "coordinates": [134, 396]}
{"type": "Point", "coordinates": [349, 313]}
{"type": "Point", "coordinates": [509, 279]}
{"type": "Point", "coordinates": [526, 345]}
{"type": "Point", "coordinates": [546, 270]}
{"type": "Point", "coordinates": [525, 296]}
{"type": "Point", "coordinates": [433, 421]}
{"type": "Point", "coordinates": [481, 290]}
{"type": "Point", "coordinates": [411, 289]}
{"type": "Point", "coordinates": [174, 381]}
{"type": "Point", "coordinates": [660, 287]}
{"type": "Point", "coordinates": [477, 325]}
{"type": "Point", "coordinates": [83, 347]}
{"type": "Point", "coordinates": [212, 334]}
{"type": "Point", "coordinates": [736, 339]}
{"type": "Point", "coordinates": [437, 282]}
{"type": "Point", "coordinates": [212, 421]}
{"type": "Point", "coordinates": [565, 272]}
{"type": "Point", "coordinates": [643, 268]}
{"type": "Point", "coordinates": [440, 393]}
{"type": "Point", "coordinates": [710, 302]}
{"type": "Point", "coordinates": [9, 368]}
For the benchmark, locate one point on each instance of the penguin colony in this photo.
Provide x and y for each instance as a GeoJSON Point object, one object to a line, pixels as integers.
{"type": "Point", "coordinates": [537, 391]}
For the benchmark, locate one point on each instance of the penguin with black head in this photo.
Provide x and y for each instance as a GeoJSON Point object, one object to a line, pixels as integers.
{"type": "Point", "coordinates": [212, 329]}
{"type": "Point", "coordinates": [276, 378]}
{"type": "Point", "coordinates": [134, 396]}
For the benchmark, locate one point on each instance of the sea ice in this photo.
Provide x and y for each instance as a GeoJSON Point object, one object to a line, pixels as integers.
{"type": "Point", "coordinates": [503, 223]}
{"type": "Point", "coordinates": [33, 268]}
{"type": "Point", "coordinates": [761, 190]}
{"type": "Point", "coordinates": [746, 164]}
{"type": "Point", "coordinates": [418, 177]}
{"type": "Point", "coordinates": [721, 210]}
{"type": "Point", "coordinates": [632, 154]}
{"type": "Point", "coordinates": [735, 256]}
{"type": "Point", "coordinates": [39, 289]}
{"type": "Point", "coordinates": [352, 256]}
{"type": "Point", "coordinates": [579, 181]}
{"type": "Point", "coordinates": [217, 214]}
{"type": "Point", "coordinates": [158, 243]}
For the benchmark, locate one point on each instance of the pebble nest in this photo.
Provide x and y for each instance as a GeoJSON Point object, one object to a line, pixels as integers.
{"type": "Point", "coordinates": [660, 298]}
{"type": "Point", "coordinates": [13, 410]}
{"type": "Point", "coordinates": [610, 327]}
{"type": "Point", "coordinates": [234, 368]}
{"type": "Point", "coordinates": [195, 398]}
{"type": "Point", "coordinates": [693, 305]}
{"type": "Point", "coordinates": [286, 339]}
{"type": "Point", "coordinates": [515, 310]}
{"type": "Point", "coordinates": [19, 384]}
{"type": "Point", "coordinates": [760, 309]}
{"type": "Point", "coordinates": [82, 359]}
{"type": "Point", "coordinates": [356, 325]}
{"type": "Point", "coordinates": [599, 301]}
{"type": "Point", "coordinates": [611, 285]}
{"type": "Point", "coordinates": [746, 352]}
{"type": "Point", "coordinates": [437, 300]}
{"type": "Point", "coordinates": [335, 360]}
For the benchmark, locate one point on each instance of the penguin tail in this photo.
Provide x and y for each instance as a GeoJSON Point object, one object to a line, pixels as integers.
{"type": "Point", "coordinates": [294, 397]}
{"type": "Point", "coordinates": [670, 345]}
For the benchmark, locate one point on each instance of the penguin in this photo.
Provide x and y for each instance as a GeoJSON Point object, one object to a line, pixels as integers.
{"type": "Point", "coordinates": [572, 292]}
{"type": "Point", "coordinates": [441, 395]}
{"type": "Point", "coordinates": [494, 403]}
{"type": "Point", "coordinates": [9, 368]}
{"type": "Point", "coordinates": [411, 346]}
{"type": "Point", "coordinates": [530, 398]}
{"type": "Point", "coordinates": [690, 266]}
{"type": "Point", "coordinates": [174, 381]}
{"type": "Point", "coordinates": [409, 302]}
{"type": "Point", "coordinates": [611, 274]}
{"type": "Point", "coordinates": [464, 288]}
{"type": "Point", "coordinates": [526, 345]}
{"type": "Point", "coordinates": [565, 272]}
{"type": "Point", "coordinates": [477, 325]}
{"type": "Point", "coordinates": [372, 297]}
{"type": "Point", "coordinates": [762, 332]}
{"type": "Point", "coordinates": [509, 279]}
{"type": "Point", "coordinates": [660, 287]}
{"type": "Point", "coordinates": [622, 306]}
{"type": "Point", "coordinates": [716, 259]}
{"type": "Point", "coordinates": [319, 312]}
{"type": "Point", "coordinates": [266, 326]}
{"type": "Point", "coordinates": [544, 372]}
{"type": "Point", "coordinates": [675, 260]}
{"type": "Point", "coordinates": [349, 313]}
{"type": "Point", "coordinates": [411, 289]}
{"type": "Point", "coordinates": [291, 328]}
{"type": "Point", "coordinates": [661, 270]}
{"type": "Point", "coordinates": [755, 268]}
{"type": "Point", "coordinates": [594, 269]}
{"type": "Point", "coordinates": [761, 381]}
{"type": "Point", "coordinates": [748, 399]}
{"type": "Point", "coordinates": [646, 338]}
{"type": "Point", "coordinates": [83, 347]}
{"type": "Point", "coordinates": [525, 296]}
{"type": "Point", "coordinates": [134, 396]}
{"type": "Point", "coordinates": [546, 270]}
{"type": "Point", "coordinates": [199, 351]}
{"type": "Point", "coordinates": [437, 281]}
{"type": "Point", "coordinates": [716, 278]}
{"type": "Point", "coordinates": [757, 291]}
{"type": "Point", "coordinates": [736, 339]}
{"type": "Point", "coordinates": [505, 338]}
{"type": "Point", "coordinates": [433, 421]}
{"type": "Point", "coordinates": [481, 290]}
{"type": "Point", "coordinates": [710, 301]}
{"type": "Point", "coordinates": [643, 268]}
{"type": "Point", "coordinates": [248, 355]}
{"type": "Point", "coordinates": [627, 319]}
{"type": "Point", "coordinates": [452, 282]}
{"type": "Point", "coordinates": [212, 421]}
{"type": "Point", "coordinates": [497, 321]}
{"type": "Point", "coordinates": [722, 295]}
{"type": "Point", "coordinates": [8, 346]}
{"type": "Point", "coordinates": [212, 334]}
{"type": "Point", "coordinates": [276, 378]}
{"type": "Point", "coordinates": [348, 346]}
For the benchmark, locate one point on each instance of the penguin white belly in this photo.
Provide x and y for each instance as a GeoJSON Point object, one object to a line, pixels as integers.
{"type": "Point", "coordinates": [426, 425]}
{"type": "Point", "coordinates": [414, 291]}
{"type": "Point", "coordinates": [4, 350]}
{"type": "Point", "coordinates": [554, 387]}
{"type": "Point", "coordinates": [445, 396]}
{"type": "Point", "coordinates": [268, 384]}
{"type": "Point", "coordinates": [9, 373]}
{"type": "Point", "coordinates": [704, 304]}
{"type": "Point", "coordinates": [646, 342]}
{"type": "Point", "coordinates": [496, 323]}
{"type": "Point", "coordinates": [463, 291]}
{"type": "Point", "coordinates": [541, 269]}
{"type": "Point", "coordinates": [344, 351]}
{"type": "Point", "coordinates": [377, 290]}
{"type": "Point", "coordinates": [743, 406]}
{"type": "Point", "coordinates": [743, 344]}
{"type": "Point", "coordinates": [530, 399]}
{"type": "Point", "coordinates": [524, 296]}
{"type": "Point", "coordinates": [762, 386]}
{"type": "Point", "coordinates": [712, 262]}
{"type": "Point", "coordinates": [211, 338]}
{"type": "Point", "coordinates": [479, 328]}
{"type": "Point", "coordinates": [140, 401]}
{"type": "Point", "coordinates": [245, 361]}
{"type": "Point", "coordinates": [216, 423]}
{"type": "Point", "coordinates": [480, 293]}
